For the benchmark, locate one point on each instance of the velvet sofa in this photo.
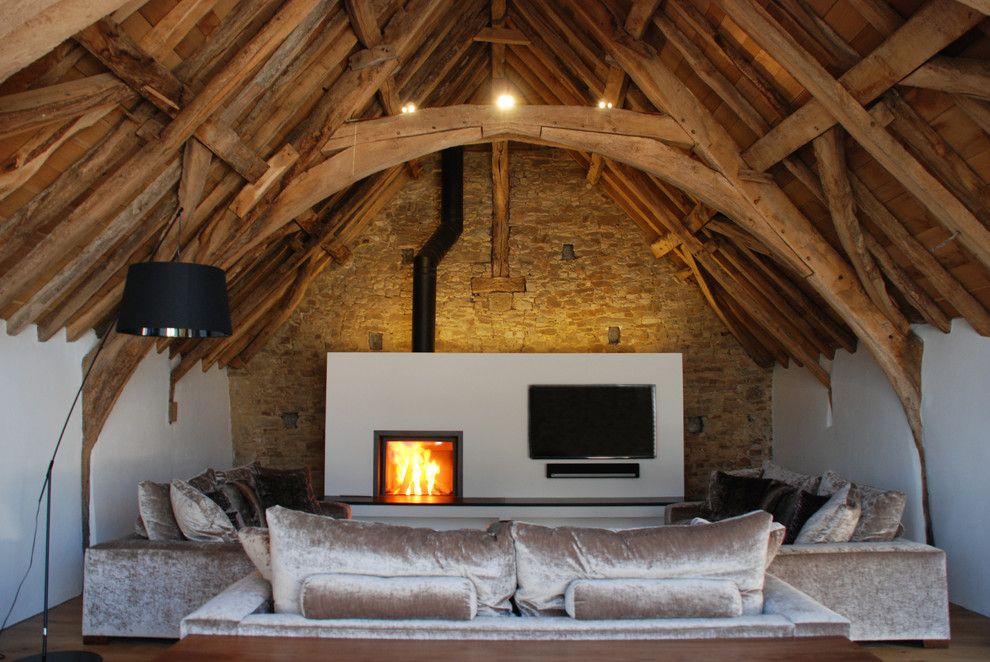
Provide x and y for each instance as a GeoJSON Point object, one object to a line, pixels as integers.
{"type": "Point", "coordinates": [516, 581]}
{"type": "Point", "coordinates": [889, 590]}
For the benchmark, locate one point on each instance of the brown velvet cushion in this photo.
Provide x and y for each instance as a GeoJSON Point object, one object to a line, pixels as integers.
{"type": "Point", "coordinates": [738, 495]}
{"type": "Point", "coordinates": [245, 472]}
{"type": "Point", "coordinates": [593, 599]}
{"type": "Point", "coordinates": [548, 559]}
{"type": "Point", "coordinates": [155, 509]}
{"type": "Point", "coordinates": [198, 516]}
{"type": "Point", "coordinates": [257, 545]}
{"type": "Point", "coordinates": [712, 503]}
{"type": "Point", "coordinates": [794, 509]}
{"type": "Point", "coordinates": [250, 496]}
{"type": "Point", "coordinates": [245, 510]}
{"type": "Point", "coordinates": [833, 522]}
{"type": "Point", "coordinates": [289, 488]}
{"type": "Point", "coordinates": [304, 544]}
{"type": "Point", "coordinates": [204, 482]}
{"type": "Point", "coordinates": [333, 595]}
{"type": "Point", "coordinates": [798, 480]}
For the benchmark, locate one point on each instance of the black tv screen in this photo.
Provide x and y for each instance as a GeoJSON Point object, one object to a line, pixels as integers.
{"type": "Point", "coordinates": [568, 422]}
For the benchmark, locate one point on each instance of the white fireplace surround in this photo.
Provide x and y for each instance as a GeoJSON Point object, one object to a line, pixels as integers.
{"type": "Point", "coordinates": [486, 397]}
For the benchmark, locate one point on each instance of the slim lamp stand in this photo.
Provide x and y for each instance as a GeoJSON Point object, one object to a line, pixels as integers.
{"type": "Point", "coordinates": [160, 299]}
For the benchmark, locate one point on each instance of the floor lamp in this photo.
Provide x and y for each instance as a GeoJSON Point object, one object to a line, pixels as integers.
{"type": "Point", "coordinates": [161, 299]}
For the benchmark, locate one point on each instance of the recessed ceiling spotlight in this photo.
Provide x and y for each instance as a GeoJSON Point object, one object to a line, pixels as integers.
{"type": "Point", "coordinates": [604, 104]}
{"type": "Point", "coordinates": [409, 108]}
{"type": "Point", "coordinates": [505, 101]}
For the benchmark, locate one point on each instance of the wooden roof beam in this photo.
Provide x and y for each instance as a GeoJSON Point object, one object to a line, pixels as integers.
{"type": "Point", "coordinates": [616, 82]}
{"type": "Point", "coordinates": [115, 191]}
{"type": "Point", "coordinates": [953, 75]}
{"type": "Point", "coordinates": [830, 154]}
{"type": "Point", "coordinates": [34, 109]}
{"type": "Point", "coordinates": [805, 249]}
{"type": "Point", "coordinates": [838, 102]}
{"type": "Point", "coordinates": [915, 296]}
{"type": "Point", "coordinates": [933, 27]}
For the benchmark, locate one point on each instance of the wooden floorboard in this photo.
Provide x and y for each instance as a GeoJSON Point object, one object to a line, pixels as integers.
{"type": "Point", "coordinates": [970, 640]}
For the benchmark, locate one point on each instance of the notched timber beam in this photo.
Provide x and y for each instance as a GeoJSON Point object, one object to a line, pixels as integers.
{"type": "Point", "coordinates": [505, 36]}
{"type": "Point", "coordinates": [27, 111]}
{"type": "Point", "coordinates": [252, 193]}
{"type": "Point", "coordinates": [929, 30]}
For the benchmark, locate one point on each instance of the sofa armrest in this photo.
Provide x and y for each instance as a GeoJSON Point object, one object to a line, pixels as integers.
{"type": "Point", "coordinates": [888, 590]}
{"type": "Point", "coordinates": [223, 614]}
{"type": "Point", "coordinates": [334, 509]}
{"type": "Point", "coordinates": [809, 617]}
{"type": "Point", "coordinates": [682, 512]}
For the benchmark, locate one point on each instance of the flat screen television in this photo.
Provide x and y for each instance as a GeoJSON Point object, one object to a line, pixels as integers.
{"type": "Point", "coordinates": [592, 421]}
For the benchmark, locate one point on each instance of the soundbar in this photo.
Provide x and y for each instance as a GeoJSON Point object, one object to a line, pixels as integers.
{"type": "Point", "coordinates": [604, 470]}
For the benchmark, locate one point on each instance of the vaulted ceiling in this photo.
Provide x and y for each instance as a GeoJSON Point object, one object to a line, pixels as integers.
{"type": "Point", "coordinates": [829, 184]}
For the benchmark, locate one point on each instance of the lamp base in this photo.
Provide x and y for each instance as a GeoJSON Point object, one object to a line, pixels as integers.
{"type": "Point", "coordinates": [63, 656]}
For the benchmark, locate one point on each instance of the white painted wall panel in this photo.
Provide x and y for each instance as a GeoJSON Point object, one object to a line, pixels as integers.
{"type": "Point", "coordinates": [866, 437]}
{"type": "Point", "coordinates": [486, 396]}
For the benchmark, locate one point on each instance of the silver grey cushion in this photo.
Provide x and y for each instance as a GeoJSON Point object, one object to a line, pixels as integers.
{"type": "Point", "coordinates": [257, 545]}
{"type": "Point", "coordinates": [605, 599]}
{"type": "Point", "coordinates": [835, 521]}
{"type": "Point", "coordinates": [333, 595]}
{"type": "Point", "coordinates": [155, 511]}
{"type": "Point", "coordinates": [198, 516]}
{"type": "Point", "coordinates": [882, 510]}
{"type": "Point", "coordinates": [304, 544]}
{"type": "Point", "coordinates": [549, 559]}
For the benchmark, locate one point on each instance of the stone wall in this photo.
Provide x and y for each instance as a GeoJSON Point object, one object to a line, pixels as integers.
{"type": "Point", "coordinates": [277, 401]}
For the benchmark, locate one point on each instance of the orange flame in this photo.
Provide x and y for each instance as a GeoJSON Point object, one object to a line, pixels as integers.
{"type": "Point", "coordinates": [420, 468]}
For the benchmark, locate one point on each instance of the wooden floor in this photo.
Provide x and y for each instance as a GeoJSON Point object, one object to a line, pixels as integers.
{"type": "Point", "coordinates": [970, 640]}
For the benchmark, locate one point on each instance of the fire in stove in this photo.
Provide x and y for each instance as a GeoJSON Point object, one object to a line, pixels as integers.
{"type": "Point", "coordinates": [419, 468]}
{"type": "Point", "coordinates": [417, 465]}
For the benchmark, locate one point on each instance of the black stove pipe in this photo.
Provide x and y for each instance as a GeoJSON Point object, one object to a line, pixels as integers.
{"type": "Point", "coordinates": [424, 307]}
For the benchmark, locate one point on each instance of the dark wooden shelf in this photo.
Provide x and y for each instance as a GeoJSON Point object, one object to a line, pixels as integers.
{"type": "Point", "coordinates": [356, 500]}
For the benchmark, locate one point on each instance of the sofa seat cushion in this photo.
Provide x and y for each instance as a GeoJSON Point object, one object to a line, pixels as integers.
{"type": "Point", "coordinates": [548, 559]}
{"type": "Point", "coordinates": [332, 595]}
{"type": "Point", "coordinates": [304, 544]}
{"type": "Point", "coordinates": [604, 599]}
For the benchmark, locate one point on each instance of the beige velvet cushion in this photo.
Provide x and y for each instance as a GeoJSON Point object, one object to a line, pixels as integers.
{"type": "Point", "coordinates": [155, 510]}
{"type": "Point", "coordinates": [304, 544]}
{"type": "Point", "coordinates": [333, 595]}
{"type": "Point", "coordinates": [257, 545]}
{"type": "Point", "coordinates": [882, 510]}
{"type": "Point", "coordinates": [595, 599]}
{"type": "Point", "coordinates": [835, 521]}
{"type": "Point", "coordinates": [198, 516]}
{"type": "Point", "coordinates": [798, 480]}
{"type": "Point", "coordinates": [548, 559]}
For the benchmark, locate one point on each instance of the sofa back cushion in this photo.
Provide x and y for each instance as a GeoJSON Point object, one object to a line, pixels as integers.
{"type": "Point", "coordinates": [155, 512]}
{"type": "Point", "coordinates": [548, 559]}
{"type": "Point", "coordinates": [332, 595]}
{"type": "Point", "coordinates": [304, 544]}
{"type": "Point", "coordinates": [594, 599]}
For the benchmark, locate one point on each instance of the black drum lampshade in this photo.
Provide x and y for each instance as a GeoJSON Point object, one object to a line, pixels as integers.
{"type": "Point", "coordinates": [176, 300]}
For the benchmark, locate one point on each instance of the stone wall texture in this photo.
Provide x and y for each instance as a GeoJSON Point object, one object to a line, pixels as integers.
{"type": "Point", "coordinates": [277, 401]}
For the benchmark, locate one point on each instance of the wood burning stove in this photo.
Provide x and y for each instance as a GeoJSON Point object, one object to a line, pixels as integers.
{"type": "Point", "coordinates": [424, 465]}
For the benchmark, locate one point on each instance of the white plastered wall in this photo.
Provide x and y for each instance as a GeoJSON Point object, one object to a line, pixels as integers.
{"type": "Point", "coordinates": [864, 435]}
{"type": "Point", "coordinates": [37, 384]}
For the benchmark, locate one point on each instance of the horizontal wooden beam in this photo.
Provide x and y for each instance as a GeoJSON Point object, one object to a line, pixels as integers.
{"type": "Point", "coordinates": [953, 74]}
{"type": "Point", "coordinates": [27, 111]}
{"type": "Point", "coordinates": [488, 285]}
{"type": "Point", "coordinates": [507, 36]}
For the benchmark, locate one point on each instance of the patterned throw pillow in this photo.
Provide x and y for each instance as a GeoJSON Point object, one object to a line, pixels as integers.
{"type": "Point", "coordinates": [835, 521]}
{"type": "Point", "coordinates": [244, 473]}
{"type": "Point", "coordinates": [738, 495]}
{"type": "Point", "coordinates": [795, 509]}
{"type": "Point", "coordinates": [712, 504]}
{"type": "Point", "coordinates": [798, 480]}
{"type": "Point", "coordinates": [245, 510]}
{"type": "Point", "coordinates": [289, 488]}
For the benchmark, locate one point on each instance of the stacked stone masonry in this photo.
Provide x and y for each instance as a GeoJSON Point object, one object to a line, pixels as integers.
{"type": "Point", "coordinates": [277, 400]}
